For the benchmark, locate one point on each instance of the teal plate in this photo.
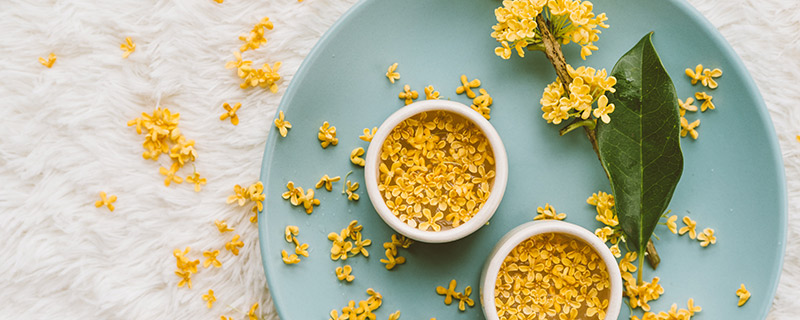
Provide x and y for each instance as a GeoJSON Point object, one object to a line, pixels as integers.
{"type": "Point", "coordinates": [733, 178]}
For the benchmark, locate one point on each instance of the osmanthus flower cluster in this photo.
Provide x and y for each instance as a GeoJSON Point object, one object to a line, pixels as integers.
{"type": "Point", "coordinates": [254, 193]}
{"type": "Point", "coordinates": [264, 77]}
{"type": "Point", "coordinates": [588, 86]}
{"type": "Point", "coordinates": [164, 137]}
{"type": "Point", "coordinates": [568, 20]}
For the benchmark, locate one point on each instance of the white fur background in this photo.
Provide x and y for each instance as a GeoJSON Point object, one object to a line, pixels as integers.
{"type": "Point", "coordinates": [63, 139]}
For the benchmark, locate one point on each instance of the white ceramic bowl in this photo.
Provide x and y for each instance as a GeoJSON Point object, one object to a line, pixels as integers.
{"type": "Point", "coordinates": [530, 229]}
{"type": "Point", "coordinates": [372, 166]}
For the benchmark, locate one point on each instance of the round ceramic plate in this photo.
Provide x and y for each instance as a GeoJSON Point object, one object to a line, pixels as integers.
{"type": "Point", "coordinates": [733, 177]}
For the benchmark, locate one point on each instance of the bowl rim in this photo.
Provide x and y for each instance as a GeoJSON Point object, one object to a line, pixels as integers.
{"type": "Point", "coordinates": [372, 166]}
{"type": "Point", "coordinates": [529, 229]}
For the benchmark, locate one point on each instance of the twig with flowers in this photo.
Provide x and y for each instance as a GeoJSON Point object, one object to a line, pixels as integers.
{"type": "Point", "coordinates": [543, 25]}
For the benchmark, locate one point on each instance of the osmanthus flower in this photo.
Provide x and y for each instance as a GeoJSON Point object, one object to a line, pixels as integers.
{"type": "Point", "coordinates": [251, 315]}
{"type": "Point", "coordinates": [689, 128]}
{"type": "Point", "coordinates": [549, 213]}
{"type": "Point", "coordinates": [105, 201]}
{"type": "Point", "coordinates": [615, 250]}
{"type": "Point", "coordinates": [230, 112]}
{"type": "Point", "coordinates": [467, 86]}
{"type": "Point", "coordinates": [289, 259]}
{"type": "Point", "coordinates": [327, 182]}
{"type": "Point", "coordinates": [211, 259]}
{"type": "Point", "coordinates": [707, 104]}
{"type": "Point", "coordinates": [392, 74]}
{"type": "Point", "coordinates": [343, 273]}
{"type": "Point", "coordinates": [351, 190]}
{"type": "Point", "coordinates": [449, 293]}
{"type": "Point", "coordinates": [568, 21]}
{"type": "Point", "coordinates": [51, 59]}
{"type": "Point", "coordinates": [626, 263]}
{"type": "Point", "coordinates": [464, 299]}
{"type": "Point", "coordinates": [197, 181]}
{"type": "Point", "coordinates": [234, 245]}
{"type": "Point", "coordinates": [210, 298]}
{"type": "Point", "coordinates": [222, 226]}
{"type": "Point", "coordinates": [408, 95]}
{"type": "Point", "coordinates": [687, 106]}
{"type": "Point", "coordinates": [431, 220]}
{"type": "Point", "coordinates": [282, 125]}
{"type": "Point", "coordinates": [368, 134]}
{"type": "Point", "coordinates": [671, 225]}
{"type": "Point", "coordinates": [708, 77]}
{"type": "Point", "coordinates": [690, 227]}
{"type": "Point", "coordinates": [707, 237]}
{"type": "Point", "coordinates": [355, 156]}
{"type": "Point", "coordinates": [294, 194]}
{"type": "Point", "coordinates": [431, 93]}
{"type": "Point", "coordinates": [743, 295]}
{"type": "Point", "coordinates": [186, 278]}
{"type": "Point", "coordinates": [395, 315]}
{"type": "Point", "coordinates": [170, 175]}
{"type": "Point", "coordinates": [128, 47]}
{"type": "Point", "coordinates": [696, 74]}
{"type": "Point", "coordinates": [360, 244]}
{"type": "Point", "coordinates": [692, 308]}
{"type": "Point", "coordinates": [239, 195]}
{"type": "Point", "coordinates": [327, 135]}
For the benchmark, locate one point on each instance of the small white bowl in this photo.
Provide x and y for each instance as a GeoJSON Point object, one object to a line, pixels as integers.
{"type": "Point", "coordinates": [372, 166]}
{"type": "Point", "coordinates": [530, 229]}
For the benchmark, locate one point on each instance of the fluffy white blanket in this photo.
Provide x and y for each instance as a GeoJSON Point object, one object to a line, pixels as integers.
{"type": "Point", "coordinates": [63, 139]}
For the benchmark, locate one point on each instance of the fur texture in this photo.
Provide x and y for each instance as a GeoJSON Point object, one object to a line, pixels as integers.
{"type": "Point", "coordinates": [63, 139]}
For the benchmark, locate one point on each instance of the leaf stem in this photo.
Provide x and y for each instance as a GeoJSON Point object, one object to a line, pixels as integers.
{"type": "Point", "coordinates": [577, 123]}
{"type": "Point", "coordinates": [639, 274]}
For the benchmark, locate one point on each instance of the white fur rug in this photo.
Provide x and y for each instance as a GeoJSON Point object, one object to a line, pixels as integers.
{"type": "Point", "coordinates": [63, 139]}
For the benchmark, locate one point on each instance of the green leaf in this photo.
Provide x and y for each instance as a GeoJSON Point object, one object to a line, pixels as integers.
{"type": "Point", "coordinates": [640, 147]}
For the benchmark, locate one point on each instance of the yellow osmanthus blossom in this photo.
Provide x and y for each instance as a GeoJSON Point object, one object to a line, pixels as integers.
{"type": "Point", "coordinates": [615, 250]}
{"type": "Point", "coordinates": [549, 213]}
{"type": "Point", "coordinates": [186, 278]}
{"type": "Point", "coordinates": [343, 273]}
{"type": "Point", "coordinates": [626, 263]}
{"type": "Point", "coordinates": [239, 196]}
{"type": "Point", "coordinates": [185, 267]}
{"type": "Point", "coordinates": [687, 106]}
{"type": "Point", "coordinates": [707, 237]}
{"type": "Point", "coordinates": [197, 181]}
{"type": "Point", "coordinates": [604, 205]}
{"type": "Point", "coordinates": [282, 125]}
{"type": "Point", "coordinates": [327, 135]}
{"type": "Point", "coordinates": [255, 193]}
{"type": "Point", "coordinates": [696, 74]}
{"type": "Point", "coordinates": [222, 226]}
{"type": "Point", "coordinates": [128, 47]}
{"type": "Point", "coordinates": [707, 104]}
{"type": "Point", "coordinates": [234, 245]}
{"type": "Point", "coordinates": [603, 109]}
{"type": "Point", "coordinates": [690, 227]}
{"type": "Point", "coordinates": [464, 299]}
{"type": "Point", "coordinates": [294, 194]}
{"type": "Point", "coordinates": [327, 182]}
{"type": "Point", "coordinates": [105, 201]}
{"type": "Point", "coordinates": [255, 38]}
{"type": "Point", "coordinates": [308, 201]}
{"type": "Point", "coordinates": [689, 128]}
{"type": "Point", "coordinates": [350, 189]}
{"type": "Point", "coordinates": [251, 315]}
{"type": "Point", "coordinates": [743, 295]}
{"type": "Point", "coordinates": [368, 134]}
{"type": "Point", "coordinates": [392, 247]}
{"type": "Point", "coordinates": [603, 233]}
{"type": "Point", "coordinates": [449, 293]}
{"type": "Point", "coordinates": [408, 95]}
{"type": "Point", "coordinates": [671, 225]}
{"type": "Point", "coordinates": [211, 259]}
{"type": "Point", "coordinates": [289, 259]}
{"type": "Point", "coordinates": [568, 21]}
{"type": "Point", "coordinates": [467, 86]}
{"type": "Point", "coordinates": [431, 93]}
{"type": "Point", "coordinates": [355, 156]}
{"type": "Point", "coordinates": [230, 112]}
{"type": "Point", "coordinates": [395, 315]}
{"type": "Point", "coordinates": [588, 85]}
{"type": "Point", "coordinates": [170, 175]}
{"type": "Point", "coordinates": [219, 1]}
{"type": "Point", "coordinates": [210, 298]}
{"type": "Point", "coordinates": [431, 220]}
{"type": "Point", "coordinates": [392, 74]}
{"type": "Point", "coordinates": [51, 59]}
